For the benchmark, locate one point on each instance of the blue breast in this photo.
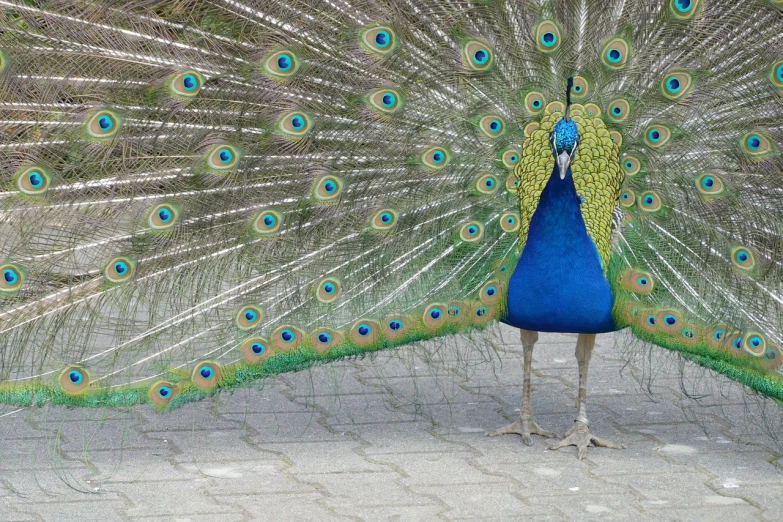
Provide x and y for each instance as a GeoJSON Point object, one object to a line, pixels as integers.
{"type": "Point", "coordinates": [558, 284]}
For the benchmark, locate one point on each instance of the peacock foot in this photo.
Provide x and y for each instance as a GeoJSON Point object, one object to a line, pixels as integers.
{"type": "Point", "coordinates": [524, 427]}
{"type": "Point", "coordinates": [579, 435]}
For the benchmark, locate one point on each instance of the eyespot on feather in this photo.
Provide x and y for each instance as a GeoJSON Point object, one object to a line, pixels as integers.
{"type": "Point", "coordinates": [627, 198]}
{"type": "Point", "coordinates": [396, 326]}
{"type": "Point", "coordinates": [490, 292]}
{"type": "Point", "coordinates": [512, 183]}
{"type": "Point", "coordinates": [755, 344]}
{"type": "Point", "coordinates": [248, 317]}
{"type": "Point", "coordinates": [74, 380]}
{"type": "Point", "coordinates": [163, 216]}
{"type": "Point", "coordinates": [255, 350]}
{"type": "Point", "coordinates": [637, 281]}
{"type": "Point", "coordinates": [548, 36]}
{"type": "Point", "coordinates": [743, 258]}
{"type": "Point", "coordinates": [385, 101]}
{"type": "Point", "coordinates": [434, 316]}
{"type": "Point", "coordinates": [669, 321]}
{"type": "Point", "coordinates": [534, 102]}
{"type": "Point", "coordinates": [162, 392]}
{"type": "Point", "coordinates": [555, 107]}
{"type": "Point", "coordinates": [616, 137]}
{"type": "Point", "coordinates": [487, 184]}
{"type": "Point", "coordinates": [286, 338]}
{"type": "Point", "coordinates": [510, 157]}
{"type": "Point", "coordinates": [631, 165]}
{"type": "Point", "coordinates": [619, 110]}
{"type": "Point", "coordinates": [592, 110]}
{"type": "Point", "coordinates": [456, 312]}
{"type": "Point", "coordinates": [650, 201]}
{"type": "Point", "coordinates": [757, 145]}
{"type": "Point", "coordinates": [580, 87]}
{"type": "Point", "coordinates": [294, 124]}
{"type": "Point", "coordinates": [365, 332]}
{"type": "Point", "coordinates": [222, 157]}
{"type": "Point", "coordinates": [33, 181]}
{"type": "Point", "coordinates": [615, 54]}
{"type": "Point", "coordinates": [676, 84]}
{"type": "Point", "coordinates": [324, 339]}
{"type": "Point", "coordinates": [328, 290]}
{"type": "Point", "coordinates": [327, 189]}
{"type": "Point", "coordinates": [103, 124]}
{"type": "Point", "coordinates": [384, 219]}
{"type": "Point", "coordinates": [435, 158]}
{"type": "Point", "coordinates": [710, 184]}
{"type": "Point", "coordinates": [11, 278]}
{"type": "Point", "coordinates": [509, 222]}
{"type": "Point", "coordinates": [657, 135]}
{"type": "Point", "coordinates": [380, 40]}
{"type": "Point", "coordinates": [186, 84]}
{"type": "Point", "coordinates": [119, 270]}
{"type": "Point", "coordinates": [281, 64]}
{"type": "Point", "coordinates": [776, 74]}
{"type": "Point", "coordinates": [477, 56]}
{"type": "Point", "coordinates": [267, 222]}
{"type": "Point", "coordinates": [206, 375]}
{"type": "Point", "coordinates": [471, 231]}
{"type": "Point", "coordinates": [683, 9]}
{"type": "Point", "coordinates": [492, 126]}
{"type": "Point", "coordinates": [483, 313]}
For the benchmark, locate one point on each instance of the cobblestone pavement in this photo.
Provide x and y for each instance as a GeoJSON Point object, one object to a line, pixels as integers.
{"type": "Point", "coordinates": [401, 436]}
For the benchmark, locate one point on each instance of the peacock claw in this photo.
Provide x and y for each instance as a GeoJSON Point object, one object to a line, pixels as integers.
{"type": "Point", "coordinates": [525, 428]}
{"type": "Point", "coordinates": [579, 435]}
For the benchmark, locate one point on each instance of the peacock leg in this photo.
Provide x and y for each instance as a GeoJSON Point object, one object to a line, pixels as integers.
{"type": "Point", "coordinates": [525, 425]}
{"type": "Point", "coordinates": [579, 435]}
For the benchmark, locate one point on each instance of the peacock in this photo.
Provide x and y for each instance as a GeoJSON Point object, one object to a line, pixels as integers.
{"type": "Point", "coordinates": [198, 194]}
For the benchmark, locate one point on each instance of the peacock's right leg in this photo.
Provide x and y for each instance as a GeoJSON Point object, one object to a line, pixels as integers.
{"type": "Point", "coordinates": [526, 425]}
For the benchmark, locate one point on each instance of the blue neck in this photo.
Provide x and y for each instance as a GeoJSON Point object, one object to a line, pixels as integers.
{"type": "Point", "coordinates": [559, 284]}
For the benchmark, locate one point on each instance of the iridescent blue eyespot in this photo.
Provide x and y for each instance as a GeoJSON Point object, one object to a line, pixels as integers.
{"type": "Point", "coordinates": [771, 355]}
{"type": "Point", "coordinates": [395, 324]}
{"type": "Point", "coordinates": [489, 183]}
{"type": "Point", "coordinates": [225, 155]}
{"type": "Point", "coordinates": [297, 122]}
{"type": "Point", "coordinates": [491, 290]}
{"type": "Point", "coordinates": [690, 334]}
{"type": "Point", "coordinates": [269, 220]}
{"type": "Point", "coordinates": [329, 288]}
{"type": "Point", "coordinates": [643, 281]}
{"type": "Point", "coordinates": [779, 73]}
{"type": "Point", "coordinates": [438, 157]}
{"type": "Point", "coordinates": [206, 372]}
{"type": "Point", "coordinates": [287, 335]}
{"type": "Point", "coordinates": [189, 82]}
{"type": "Point", "coordinates": [754, 142]}
{"type": "Point", "coordinates": [755, 341]}
{"type": "Point", "coordinates": [653, 135]}
{"type": "Point", "coordinates": [389, 100]}
{"type": "Point", "coordinates": [737, 343]}
{"type": "Point", "coordinates": [164, 215]}
{"type": "Point", "coordinates": [617, 111]}
{"type": "Point", "coordinates": [651, 320]}
{"type": "Point", "coordinates": [164, 391]}
{"type": "Point", "coordinates": [364, 329]}
{"type": "Point", "coordinates": [673, 85]}
{"type": "Point", "coordinates": [105, 123]}
{"type": "Point", "coordinates": [382, 39]}
{"type": "Point", "coordinates": [435, 314]}
{"type": "Point", "coordinates": [480, 57]}
{"type": "Point", "coordinates": [120, 267]}
{"type": "Point", "coordinates": [742, 256]}
{"type": "Point", "coordinates": [648, 200]}
{"type": "Point", "coordinates": [670, 320]}
{"type": "Point", "coordinates": [10, 276]}
{"type": "Point", "coordinates": [481, 311]}
{"type": "Point", "coordinates": [682, 5]}
{"type": "Point", "coordinates": [36, 179]}
{"type": "Point", "coordinates": [707, 182]}
{"type": "Point", "coordinates": [548, 39]}
{"type": "Point", "coordinates": [614, 56]}
{"type": "Point", "coordinates": [386, 217]}
{"type": "Point", "coordinates": [537, 104]}
{"type": "Point", "coordinates": [75, 376]}
{"type": "Point", "coordinates": [257, 348]}
{"type": "Point", "coordinates": [718, 334]}
{"type": "Point", "coordinates": [284, 63]}
{"type": "Point", "coordinates": [324, 338]}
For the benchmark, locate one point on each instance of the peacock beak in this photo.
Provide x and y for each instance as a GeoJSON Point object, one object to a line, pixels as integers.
{"type": "Point", "coordinates": [563, 162]}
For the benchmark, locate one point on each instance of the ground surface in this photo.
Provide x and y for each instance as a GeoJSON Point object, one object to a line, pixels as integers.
{"type": "Point", "coordinates": [402, 437]}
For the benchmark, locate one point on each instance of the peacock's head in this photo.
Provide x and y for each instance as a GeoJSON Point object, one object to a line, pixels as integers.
{"type": "Point", "coordinates": [564, 138]}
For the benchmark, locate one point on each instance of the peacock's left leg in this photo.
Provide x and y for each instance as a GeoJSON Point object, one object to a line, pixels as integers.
{"type": "Point", "coordinates": [525, 425]}
{"type": "Point", "coordinates": [579, 435]}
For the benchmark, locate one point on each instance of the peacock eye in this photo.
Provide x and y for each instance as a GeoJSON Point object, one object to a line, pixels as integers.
{"type": "Point", "coordinates": [619, 110]}
{"type": "Point", "coordinates": [435, 158]}
{"type": "Point", "coordinates": [163, 217]}
{"type": "Point", "coordinates": [328, 290]}
{"type": "Point", "coordinates": [509, 222]}
{"type": "Point", "coordinates": [267, 222]}
{"type": "Point", "coordinates": [103, 124]}
{"type": "Point", "coordinates": [434, 316]}
{"type": "Point", "coordinates": [472, 231]}
{"type": "Point", "coordinates": [615, 53]}
{"type": "Point", "coordinates": [743, 258]}
{"type": "Point", "coordinates": [186, 84]}
{"type": "Point", "coordinates": [547, 36]}
{"type": "Point", "coordinates": [281, 64]}
{"type": "Point", "coordinates": [384, 219]}
{"type": "Point", "coordinates": [119, 270]}
{"type": "Point", "coordinates": [676, 85]}
{"type": "Point", "coordinates": [657, 135]}
{"type": "Point", "coordinates": [683, 9]}
{"type": "Point", "coordinates": [650, 201]}
{"type": "Point", "coordinates": [477, 55]}
{"type": "Point", "coordinates": [380, 40]}
{"type": "Point", "coordinates": [248, 317]}
{"type": "Point", "coordinates": [757, 145]}
{"type": "Point", "coordinates": [487, 184]}
{"type": "Point", "coordinates": [222, 157]}
{"type": "Point", "coordinates": [385, 101]}
{"type": "Point", "coordinates": [294, 124]}
{"type": "Point", "coordinates": [492, 126]}
{"type": "Point", "coordinates": [534, 102]}
{"type": "Point", "coordinates": [580, 87]}
{"type": "Point", "coordinates": [328, 188]}
{"type": "Point", "coordinates": [33, 181]}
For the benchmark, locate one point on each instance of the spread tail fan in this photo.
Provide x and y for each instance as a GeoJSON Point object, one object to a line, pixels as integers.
{"type": "Point", "coordinates": [199, 194]}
